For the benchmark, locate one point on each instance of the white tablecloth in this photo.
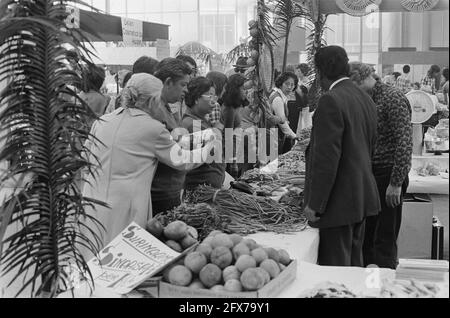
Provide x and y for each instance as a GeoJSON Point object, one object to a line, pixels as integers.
{"type": "Point", "coordinates": [430, 184]}
{"type": "Point", "coordinates": [361, 281]}
{"type": "Point", "coordinates": [302, 246]}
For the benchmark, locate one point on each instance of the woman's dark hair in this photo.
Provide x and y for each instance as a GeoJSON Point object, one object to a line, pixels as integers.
{"type": "Point", "coordinates": [174, 69]}
{"type": "Point", "coordinates": [396, 75]}
{"type": "Point", "coordinates": [332, 62]}
{"type": "Point", "coordinates": [284, 77]}
{"type": "Point", "coordinates": [232, 95]}
{"type": "Point", "coordinates": [145, 64]}
{"type": "Point", "coordinates": [304, 68]}
{"type": "Point", "coordinates": [126, 78]}
{"type": "Point", "coordinates": [445, 73]}
{"type": "Point", "coordinates": [433, 69]}
{"type": "Point", "coordinates": [196, 88]}
{"type": "Point", "coordinates": [95, 77]}
{"type": "Point", "coordinates": [406, 69]}
{"type": "Point", "coordinates": [219, 79]}
{"type": "Point", "coordinates": [187, 59]}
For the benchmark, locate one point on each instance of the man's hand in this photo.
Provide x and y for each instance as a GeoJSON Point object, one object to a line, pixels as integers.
{"type": "Point", "coordinates": [311, 214]}
{"type": "Point", "coordinates": [393, 196]}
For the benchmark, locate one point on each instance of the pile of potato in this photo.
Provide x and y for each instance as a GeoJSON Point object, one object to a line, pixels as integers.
{"type": "Point", "coordinates": [228, 262]}
{"type": "Point", "coordinates": [177, 235]}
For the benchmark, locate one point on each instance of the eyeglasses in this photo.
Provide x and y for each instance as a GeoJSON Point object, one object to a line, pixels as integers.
{"type": "Point", "coordinates": [212, 98]}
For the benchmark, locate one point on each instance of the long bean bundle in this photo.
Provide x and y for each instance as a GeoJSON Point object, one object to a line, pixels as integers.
{"type": "Point", "coordinates": [203, 217]}
{"type": "Point", "coordinates": [249, 214]}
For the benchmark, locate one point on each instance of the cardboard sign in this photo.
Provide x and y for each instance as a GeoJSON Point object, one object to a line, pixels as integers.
{"type": "Point", "coordinates": [131, 258]}
{"type": "Point", "coordinates": [132, 32]}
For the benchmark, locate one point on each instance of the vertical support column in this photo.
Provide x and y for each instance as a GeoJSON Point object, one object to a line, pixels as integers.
{"type": "Point", "coordinates": [343, 30]}
{"type": "Point", "coordinates": [236, 17]}
{"type": "Point", "coordinates": [403, 30]}
{"type": "Point", "coordinates": [198, 22]}
{"type": "Point", "coordinates": [380, 43]}
{"type": "Point", "coordinates": [426, 32]}
{"type": "Point", "coordinates": [108, 6]}
{"type": "Point", "coordinates": [361, 39]}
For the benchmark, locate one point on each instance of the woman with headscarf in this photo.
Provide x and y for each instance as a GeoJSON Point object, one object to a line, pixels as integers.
{"type": "Point", "coordinates": [127, 145]}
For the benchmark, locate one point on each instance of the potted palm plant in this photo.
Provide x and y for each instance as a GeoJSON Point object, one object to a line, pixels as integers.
{"type": "Point", "coordinates": [43, 126]}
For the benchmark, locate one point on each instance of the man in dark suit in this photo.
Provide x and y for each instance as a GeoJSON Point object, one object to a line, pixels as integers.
{"type": "Point", "coordinates": [340, 190]}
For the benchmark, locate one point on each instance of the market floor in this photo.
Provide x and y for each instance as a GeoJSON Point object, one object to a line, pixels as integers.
{"type": "Point", "coordinates": [440, 210]}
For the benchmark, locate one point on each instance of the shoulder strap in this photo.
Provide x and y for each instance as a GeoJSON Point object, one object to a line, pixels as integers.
{"type": "Point", "coordinates": [108, 100]}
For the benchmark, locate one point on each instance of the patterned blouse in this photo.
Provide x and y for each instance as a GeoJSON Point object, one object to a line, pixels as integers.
{"type": "Point", "coordinates": [394, 143]}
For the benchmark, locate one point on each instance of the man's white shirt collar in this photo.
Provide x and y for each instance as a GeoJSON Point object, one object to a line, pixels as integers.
{"type": "Point", "coordinates": [337, 82]}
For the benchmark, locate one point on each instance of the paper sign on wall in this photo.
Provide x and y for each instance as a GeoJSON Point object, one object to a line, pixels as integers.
{"type": "Point", "coordinates": [131, 258]}
{"type": "Point", "coordinates": [132, 31]}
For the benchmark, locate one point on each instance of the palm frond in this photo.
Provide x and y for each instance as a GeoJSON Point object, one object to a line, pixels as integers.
{"type": "Point", "coordinates": [197, 51]}
{"type": "Point", "coordinates": [242, 49]}
{"type": "Point", "coordinates": [315, 41]}
{"type": "Point", "coordinates": [267, 32]}
{"type": "Point", "coordinates": [45, 125]}
{"type": "Point", "coordinates": [286, 12]}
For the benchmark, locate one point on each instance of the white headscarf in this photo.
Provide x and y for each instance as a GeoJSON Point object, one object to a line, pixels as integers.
{"type": "Point", "coordinates": [139, 89]}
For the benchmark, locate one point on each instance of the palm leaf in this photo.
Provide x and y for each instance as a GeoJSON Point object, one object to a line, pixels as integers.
{"type": "Point", "coordinates": [315, 41]}
{"type": "Point", "coordinates": [286, 11]}
{"type": "Point", "coordinates": [197, 51]}
{"type": "Point", "coordinates": [242, 49]}
{"type": "Point", "coordinates": [44, 125]}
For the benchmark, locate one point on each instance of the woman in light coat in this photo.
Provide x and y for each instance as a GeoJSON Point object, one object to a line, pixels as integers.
{"type": "Point", "coordinates": [130, 145]}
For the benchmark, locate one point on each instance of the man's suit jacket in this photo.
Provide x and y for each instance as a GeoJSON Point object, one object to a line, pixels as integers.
{"type": "Point", "coordinates": [340, 185]}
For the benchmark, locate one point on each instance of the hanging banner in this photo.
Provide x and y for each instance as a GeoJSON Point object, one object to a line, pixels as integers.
{"type": "Point", "coordinates": [73, 19]}
{"type": "Point", "coordinates": [419, 5]}
{"type": "Point", "coordinates": [358, 8]}
{"type": "Point", "coordinates": [132, 32]}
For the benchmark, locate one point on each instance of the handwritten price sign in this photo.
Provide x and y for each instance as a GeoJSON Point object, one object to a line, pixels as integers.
{"type": "Point", "coordinates": [130, 259]}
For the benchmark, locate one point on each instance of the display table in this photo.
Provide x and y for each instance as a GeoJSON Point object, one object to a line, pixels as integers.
{"type": "Point", "coordinates": [361, 281]}
{"type": "Point", "coordinates": [357, 279]}
{"type": "Point", "coordinates": [303, 246]}
{"type": "Point", "coordinates": [429, 184]}
{"type": "Point", "coordinates": [441, 160]}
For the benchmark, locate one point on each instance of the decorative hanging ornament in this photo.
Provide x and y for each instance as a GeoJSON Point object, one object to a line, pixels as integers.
{"type": "Point", "coordinates": [419, 5]}
{"type": "Point", "coordinates": [358, 8]}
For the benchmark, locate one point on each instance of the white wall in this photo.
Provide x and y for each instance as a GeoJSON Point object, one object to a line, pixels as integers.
{"type": "Point", "coordinates": [122, 55]}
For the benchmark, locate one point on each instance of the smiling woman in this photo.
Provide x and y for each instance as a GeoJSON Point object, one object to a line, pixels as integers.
{"type": "Point", "coordinates": [201, 99]}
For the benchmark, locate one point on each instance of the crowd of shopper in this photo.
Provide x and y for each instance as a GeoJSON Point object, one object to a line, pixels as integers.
{"type": "Point", "coordinates": [357, 162]}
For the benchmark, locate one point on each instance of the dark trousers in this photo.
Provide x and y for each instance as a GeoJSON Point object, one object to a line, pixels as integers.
{"type": "Point", "coordinates": [342, 246]}
{"type": "Point", "coordinates": [380, 242]}
{"type": "Point", "coordinates": [160, 206]}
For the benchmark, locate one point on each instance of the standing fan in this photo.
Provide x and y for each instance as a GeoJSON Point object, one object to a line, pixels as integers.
{"type": "Point", "coordinates": [423, 106]}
